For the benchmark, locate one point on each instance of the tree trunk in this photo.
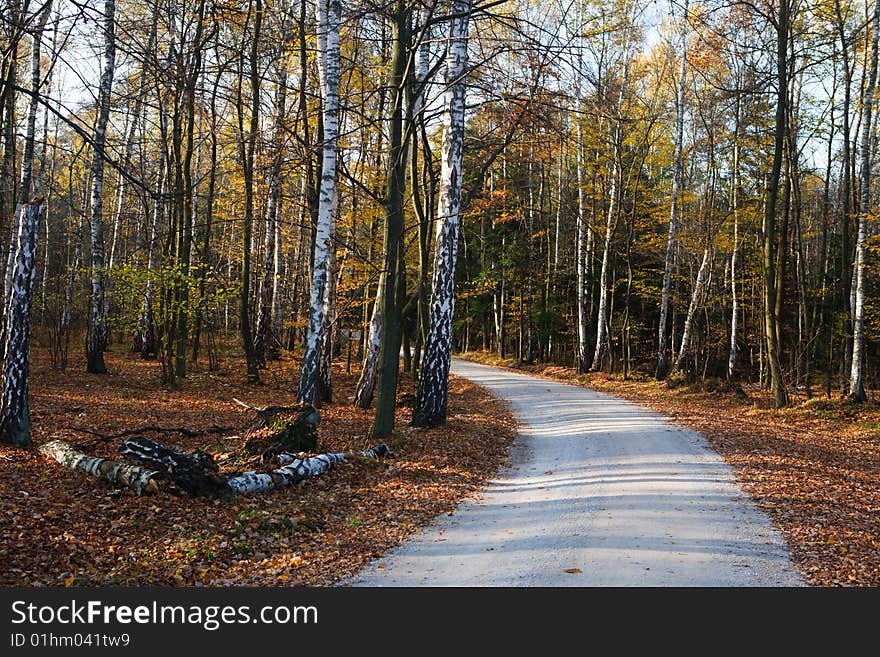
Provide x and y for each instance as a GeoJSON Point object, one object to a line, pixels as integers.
{"type": "Point", "coordinates": [366, 385]}
{"type": "Point", "coordinates": [267, 339]}
{"type": "Point", "coordinates": [684, 352]}
{"type": "Point", "coordinates": [15, 419]}
{"type": "Point", "coordinates": [856, 377]}
{"type": "Point", "coordinates": [139, 479]}
{"type": "Point", "coordinates": [433, 389]}
{"type": "Point", "coordinates": [735, 198]}
{"type": "Point", "coordinates": [247, 157]}
{"type": "Point", "coordinates": [772, 193]}
{"type": "Point", "coordinates": [98, 309]}
{"type": "Point", "coordinates": [662, 355]}
{"type": "Point", "coordinates": [389, 349]}
{"type": "Point", "coordinates": [328, 16]}
{"type": "Point", "coordinates": [614, 201]}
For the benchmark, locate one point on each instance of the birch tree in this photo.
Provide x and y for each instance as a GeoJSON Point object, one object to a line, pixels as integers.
{"type": "Point", "coordinates": [15, 420]}
{"type": "Point", "coordinates": [662, 357]}
{"type": "Point", "coordinates": [432, 395]}
{"type": "Point", "coordinates": [329, 14]}
{"type": "Point", "coordinates": [615, 197]}
{"type": "Point", "coordinates": [856, 382]}
{"type": "Point", "coordinates": [97, 341]}
{"type": "Point", "coordinates": [27, 161]}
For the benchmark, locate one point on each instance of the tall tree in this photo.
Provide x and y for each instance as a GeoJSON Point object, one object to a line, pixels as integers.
{"type": "Point", "coordinates": [15, 419]}
{"type": "Point", "coordinates": [329, 13]}
{"type": "Point", "coordinates": [247, 149]}
{"type": "Point", "coordinates": [662, 354]}
{"type": "Point", "coordinates": [395, 185]}
{"type": "Point", "coordinates": [856, 377]}
{"type": "Point", "coordinates": [433, 389]}
{"type": "Point", "coordinates": [771, 196]}
{"type": "Point", "coordinates": [97, 342]}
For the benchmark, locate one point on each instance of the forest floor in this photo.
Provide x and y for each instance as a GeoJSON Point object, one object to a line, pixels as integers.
{"type": "Point", "coordinates": [814, 467]}
{"type": "Point", "coordinates": [60, 527]}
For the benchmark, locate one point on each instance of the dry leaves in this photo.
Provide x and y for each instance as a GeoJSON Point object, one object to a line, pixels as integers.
{"type": "Point", "coordinates": [60, 527]}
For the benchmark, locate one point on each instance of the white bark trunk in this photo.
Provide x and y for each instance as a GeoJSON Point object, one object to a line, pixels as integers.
{"type": "Point", "coordinates": [696, 302]}
{"type": "Point", "coordinates": [856, 382]}
{"type": "Point", "coordinates": [583, 317]}
{"type": "Point", "coordinates": [734, 317]}
{"type": "Point", "coordinates": [325, 362]}
{"type": "Point", "coordinates": [15, 421]}
{"type": "Point", "coordinates": [434, 379]}
{"type": "Point", "coordinates": [135, 477]}
{"type": "Point", "coordinates": [98, 309]}
{"type": "Point", "coordinates": [26, 183]}
{"type": "Point", "coordinates": [614, 202]}
{"type": "Point", "coordinates": [366, 386]}
{"type": "Point", "coordinates": [295, 469]}
{"type": "Point", "coordinates": [328, 16]}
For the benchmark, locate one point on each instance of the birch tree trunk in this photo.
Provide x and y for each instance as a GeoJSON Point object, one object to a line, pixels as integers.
{"type": "Point", "coordinates": [139, 479]}
{"type": "Point", "coordinates": [433, 389]}
{"type": "Point", "coordinates": [15, 419]}
{"type": "Point", "coordinates": [324, 391]}
{"type": "Point", "coordinates": [610, 226]}
{"type": "Point", "coordinates": [97, 341]}
{"type": "Point", "coordinates": [328, 16]}
{"type": "Point", "coordinates": [856, 382]}
{"type": "Point", "coordinates": [583, 317]}
{"type": "Point", "coordinates": [27, 161]}
{"type": "Point", "coordinates": [735, 193]}
{"type": "Point", "coordinates": [615, 199]}
{"type": "Point", "coordinates": [662, 357]}
{"type": "Point", "coordinates": [366, 385]}
{"type": "Point", "coordinates": [684, 350]}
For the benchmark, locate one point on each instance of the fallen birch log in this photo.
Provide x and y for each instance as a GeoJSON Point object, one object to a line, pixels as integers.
{"type": "Point", "coordinates": [295, 469]}
{"type": "Point", "coordinates": [196, 473]}
{"type": "Point", "coordinates": [135, 477]}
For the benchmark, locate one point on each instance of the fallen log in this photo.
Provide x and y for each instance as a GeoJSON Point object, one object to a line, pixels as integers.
{"type": "Point", "coordinates": [196, 473]}
{"type": "Point", "coordinates": [139, 479]}
{"type": "Point", "coordinates": [296, 469]}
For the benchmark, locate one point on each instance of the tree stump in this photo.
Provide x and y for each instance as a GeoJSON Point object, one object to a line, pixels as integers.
{"type": "Point", "coordinates": [279, 429]}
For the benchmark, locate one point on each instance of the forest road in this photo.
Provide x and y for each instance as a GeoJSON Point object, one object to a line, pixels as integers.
{"type": "Point", "coordinates": [600, 492]}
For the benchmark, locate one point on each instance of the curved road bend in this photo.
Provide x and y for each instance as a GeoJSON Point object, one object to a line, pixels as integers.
{"type": "Point", "coordinates": [599, 485]}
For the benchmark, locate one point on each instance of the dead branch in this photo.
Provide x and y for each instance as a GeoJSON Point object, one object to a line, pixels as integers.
{"type": "Point", "coordinates": [189, 433]}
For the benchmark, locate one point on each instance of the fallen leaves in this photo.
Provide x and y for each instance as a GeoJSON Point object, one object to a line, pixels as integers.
{"type": "Point", "coordinates": [63, 528]}
{"type": "Point", "coordinates": [573, 571]}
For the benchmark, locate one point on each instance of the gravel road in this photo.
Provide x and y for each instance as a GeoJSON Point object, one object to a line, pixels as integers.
{"type": "Point", "coordinates": [601, 492]}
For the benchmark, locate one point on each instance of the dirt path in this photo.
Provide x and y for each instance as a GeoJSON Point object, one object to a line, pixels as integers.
{"type": "Point", "coordinates": [600, 492]}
